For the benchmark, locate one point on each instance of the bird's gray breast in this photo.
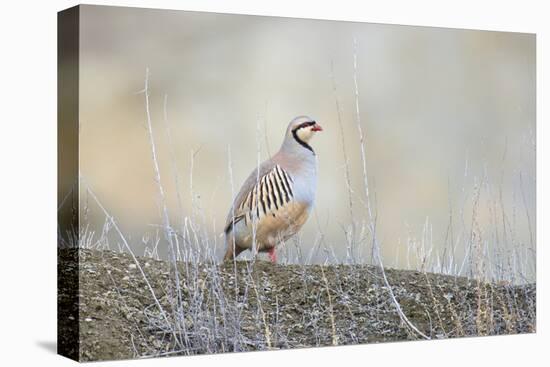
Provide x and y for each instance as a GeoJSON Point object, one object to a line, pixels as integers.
{"type": "Point", "coordinates": [305, 183]}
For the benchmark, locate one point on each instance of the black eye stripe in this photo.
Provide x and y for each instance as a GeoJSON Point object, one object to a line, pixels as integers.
{"type": "Point", "coordinates": [304, 124]}
{"type": "Point", "coordinates": [295, 134]}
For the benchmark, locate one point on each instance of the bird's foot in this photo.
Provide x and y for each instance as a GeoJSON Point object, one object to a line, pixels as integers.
{"type": "Point", "coordinates": [272, 255]}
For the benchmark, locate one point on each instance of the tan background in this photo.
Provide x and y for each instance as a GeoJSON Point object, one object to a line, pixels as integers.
{"type": "Point", "coordinates": [442, 109]}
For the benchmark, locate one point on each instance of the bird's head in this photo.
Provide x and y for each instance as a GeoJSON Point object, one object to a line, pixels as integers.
{"type": "Point", "coordinates": [302, 129]}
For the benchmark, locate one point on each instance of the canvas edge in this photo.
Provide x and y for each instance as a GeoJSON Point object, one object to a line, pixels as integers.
{"type": "Point", "coordinates": [68, 44]}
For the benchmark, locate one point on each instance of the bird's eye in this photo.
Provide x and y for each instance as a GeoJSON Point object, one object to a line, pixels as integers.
{"type": "Point", "coordinates": [304, 124]}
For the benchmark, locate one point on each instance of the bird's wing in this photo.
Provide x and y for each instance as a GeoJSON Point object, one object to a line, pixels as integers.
{"type": "Point", "coordinates": [263, 193]}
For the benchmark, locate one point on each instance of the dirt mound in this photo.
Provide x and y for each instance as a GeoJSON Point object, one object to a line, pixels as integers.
{"type": "Point", "coordinates": [128, 309]}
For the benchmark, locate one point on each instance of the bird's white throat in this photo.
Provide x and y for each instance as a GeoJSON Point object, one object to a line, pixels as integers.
{"type": "Point", "coordinates": [305, 134]}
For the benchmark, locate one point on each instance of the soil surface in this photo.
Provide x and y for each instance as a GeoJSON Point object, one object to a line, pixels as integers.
{"type": "Point", "coordinates": [131, 308]}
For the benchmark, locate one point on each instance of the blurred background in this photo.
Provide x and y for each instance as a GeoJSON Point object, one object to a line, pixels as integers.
{"type": "Point", "coordinates": [448, 116]}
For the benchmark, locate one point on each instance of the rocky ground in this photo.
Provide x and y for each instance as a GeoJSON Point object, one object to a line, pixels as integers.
{"type": "Point", "coordinates": [132, 309]}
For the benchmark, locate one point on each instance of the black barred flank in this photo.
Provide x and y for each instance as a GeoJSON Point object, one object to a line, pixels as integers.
{"type": "Point", "coordinates": [268, 196]}
{"type": "Point", "coordinates": [262, 183]}
{"type": "Point", "coordinates": [281, 176]}
{"type": "Point", "coordinates": [271, 193]}
{"type": "Point", "coordinates": [280, 185]}
{"type": "Point", "coordinates": [285, 176]}
{"type": "Point", "coordinates": [276, 192]}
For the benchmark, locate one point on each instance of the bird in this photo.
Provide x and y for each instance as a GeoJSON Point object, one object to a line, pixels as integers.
{"type": "Point", "coordinates": [276, 199]}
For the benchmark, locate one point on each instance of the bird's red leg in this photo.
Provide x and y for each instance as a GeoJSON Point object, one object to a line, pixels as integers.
{"type": "Point", "coordinates": [272, 255]}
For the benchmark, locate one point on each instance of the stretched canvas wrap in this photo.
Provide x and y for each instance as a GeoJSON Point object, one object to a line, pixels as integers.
{"type": "Point", "coordinates": [232, 183]}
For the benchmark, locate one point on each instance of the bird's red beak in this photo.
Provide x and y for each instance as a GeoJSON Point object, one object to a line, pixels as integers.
{"type": "Point", "coordinates": [316, 127]}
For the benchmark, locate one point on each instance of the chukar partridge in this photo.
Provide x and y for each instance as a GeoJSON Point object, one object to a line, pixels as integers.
{"type": "Point", "coordinates": [276, 199]}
